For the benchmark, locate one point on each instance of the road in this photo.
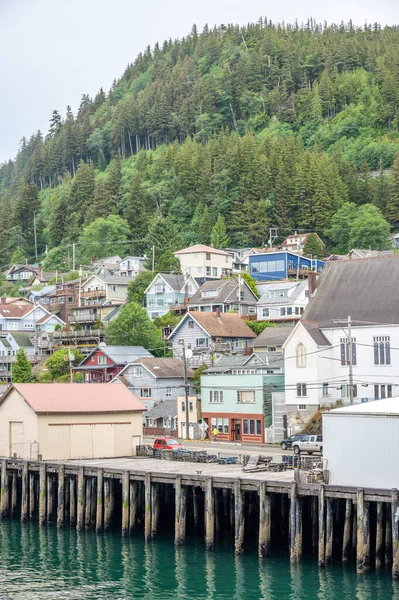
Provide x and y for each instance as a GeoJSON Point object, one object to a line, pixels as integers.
{"type": "Point", "coordinates": [230, 448]}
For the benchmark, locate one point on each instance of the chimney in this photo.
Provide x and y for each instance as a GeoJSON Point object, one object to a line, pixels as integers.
{"type": "Point", "coordinates": [218, 312]}
{"type": "Point", "coordinates": [312, 282]}
{"type": "Point", "coordinates": [248, 350]}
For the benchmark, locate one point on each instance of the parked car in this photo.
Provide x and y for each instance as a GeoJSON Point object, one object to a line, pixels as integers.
{"type": "Point", "coordinates": [287, 443]}
{"type": "Point", "coordinates": [309, 444]}
{"type": "Point", "coordinates": [164, 443]}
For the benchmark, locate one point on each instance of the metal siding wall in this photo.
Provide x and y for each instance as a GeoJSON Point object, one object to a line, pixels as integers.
{"type": "Point", "coordinates": [14, 408]}
{"type": "Point", "coordinates": [362, 450]}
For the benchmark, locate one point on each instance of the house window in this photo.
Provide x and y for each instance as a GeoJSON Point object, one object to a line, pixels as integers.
{"type": "Point", "coordinates": [289, 310]}
{"type": "Point", "coordinates": [208, 256]}
{"type": "Point", "coordinates": [214, 271]}
{"type": "Point", "coordinates": [93, 359]}
{"type": "Point", "coordinates": [255, 267]}
{"type": "Point", "coordinates": [325, 389]}
{"type": "Point", "coordinates": [302, 407]}
{"type": "Point", "coordinates": [136, 372]}
{"type": "Point", "coordinates": [301, 390]}
{"type": "Point", "coordinates": [251, 310]}
{"type": "Point", "coordinates": [190, 406]}
{"type": "Point", "coordinates": [225, 426]}
{"type": "Point", "coordinates": [159, 289]}
{"type": "Point", "coordinates": [246, 396]}
{"type": "Point", "coordinates": [191, 324]}
{"type": "Point", "coordinates": [382, 350]}
{"type": "Point", "coordinates": [266, 312]}
{"type": "Point", "coordinates": [216, 396]}
{"type": "Point", "coordinates": [145, 392]}
{"type": "Point", "coordinates": [208, 270]}
{"type": "Point", "coordinates": [61, 300]}
{"type": "Point", "coordinates": [345, 351]}
{"type": "Point", "coordinates": [383, 391]}
{"type": "Point", "coordinates": [300, 356]}
{"type": "Point", "coordinates": [70, 299]}
{"type": "Point", "coordinates": [168, 392]}
{"type": "Point", "coordinates": [102, 360]}
{"type": "Point", "coordinates": [114, 288]}
{"type": "Point", "coordinates": [183, 407]}
{"type": "Point", "coordinates": [252, 426]}
{"type": "Point", "coordinates": [28, 325]}
{"type": "Point", "coordinates": [53, 300]}
{"type": "Point", "coordinates": [160, 301]}
{"type": "Point", "coordinates": [202, 342]}
{"type": "Point", "coordinates": [282, 311]}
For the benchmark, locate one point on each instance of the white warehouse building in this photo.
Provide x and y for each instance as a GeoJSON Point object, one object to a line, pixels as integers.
{"type": "Point", "coordinates": [361, 444]}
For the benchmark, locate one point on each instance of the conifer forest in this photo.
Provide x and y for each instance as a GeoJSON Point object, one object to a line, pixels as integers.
{"type": "Point", "coordinates": [267, 125]}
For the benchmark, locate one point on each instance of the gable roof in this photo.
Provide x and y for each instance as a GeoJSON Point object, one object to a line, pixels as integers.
{"type": "Point", "coordinates": [163, 367]}
{"type": "Point", "coordinates": [111, 279]}
{"type": "Point", "coordinates": [272, 336]}
{"type": "Point", "coordinates": [15, 311]}
{"type": "Point", "coordinates": [23, 338]}
{"type": "Point", "coordinates": [315, 333]}
{"type": "Point", "coordinates": [227, 362]}
{"type": "Point", "coordinates": [120, 355]}
{"type": "Point", "coordinates": [364, 289]}
{"type": "Point", "coordinates": [299, 287]}
{"type": "Point", "coordinates": [224, 325]}
{"type": "Point", "coordinates": [385, 406]}
{"type": "Point", "coordinates": [46, 290]}
{"type": "Point", "coordinates": [176, 282]}
{"type": "Point", "coordinates": [201, 248]}
{"type": "Point", "coordinates": [224, 288]}
{"type": "Point", "coordinates": [166, 408]}
{"type": "Point", "coordinates": [47, 317]}
{"type": "Point", "coordinates": [76, 398]}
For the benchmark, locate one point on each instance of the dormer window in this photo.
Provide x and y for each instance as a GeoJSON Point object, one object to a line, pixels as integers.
{"type": "Point", "coordinates": [209, 294]}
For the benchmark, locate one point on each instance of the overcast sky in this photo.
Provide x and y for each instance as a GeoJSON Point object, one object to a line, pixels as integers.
{"type": "Point", "coordinates": [53, 51]}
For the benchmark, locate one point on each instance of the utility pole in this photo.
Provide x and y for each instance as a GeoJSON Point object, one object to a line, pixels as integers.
{"type": "Point", "coordinates": [350, 360]}
{"type": "Point", "coordinates": [239, 294]}
{"type": "Point", "coordinates": [153, 258]}
{"type": "Point", "coordinates": [272, 236]}
{"type": "Point", "coordinates": [34, 232]}
{"type": "Point", "coordinates": [186, 391]}
{"type": "Point", "coordinates": [70, 359]}
{"type": "Point", "coordinates": [73, 255]}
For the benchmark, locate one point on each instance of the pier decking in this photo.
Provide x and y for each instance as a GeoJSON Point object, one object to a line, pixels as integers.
{"type": "Point", "coordinates": [336, 523]}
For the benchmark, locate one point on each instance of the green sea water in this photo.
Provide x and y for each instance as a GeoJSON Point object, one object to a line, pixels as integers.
{"type": "Point", "coordinates": [43, 563]}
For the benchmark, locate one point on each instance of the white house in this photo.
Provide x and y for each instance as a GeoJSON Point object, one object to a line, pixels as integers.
{"type": "Point", "coordinates": [99, 289]}
{"type": "Point", "coordinates": [317, 352]}
{"type": "Point", "coordinates": [131, 266]}
{"type": "Point", "coordinates": [27, 317]}
{"type": "Point", "coordinates": [204, 262]}
{"type": "Point", "coordinates": [283, 301]}
{"type": "Point", "coordinates": [168, 290]}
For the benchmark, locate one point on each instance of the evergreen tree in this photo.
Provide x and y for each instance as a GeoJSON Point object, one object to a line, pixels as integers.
{"type": "Point", "coordinates": [81, 196]}
{"type": "Point", "coordinates": [313, 246]}
{"type": "Point", "coordinates": [392, 209]}
{"type": "Point", "coordinates": [168, 263]}
{"type": "Point", "coordinates": [137, 212]}
{"type": "Point", "coordinates": [162, 236]}
{"type": "Point", "coordinates": [219, 237]}
{"type": "Point", "coordinates": [133, 327]}
{"type": "Point", "coordinates": [136, 288]}
{"type": "Point", "coordinates": [22, 368]}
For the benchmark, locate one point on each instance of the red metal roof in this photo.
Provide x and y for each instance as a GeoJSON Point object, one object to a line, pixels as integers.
{"type": "Point", "coordinates": [77, 397]}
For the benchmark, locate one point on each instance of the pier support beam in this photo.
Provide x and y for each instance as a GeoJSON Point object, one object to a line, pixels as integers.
{"type": "Point", "coordinates": [125, 503]}
{"type": "Point", "coordinates": [315, 521]}
{"type": "Point", "coordinates": [88, 503]}
{"type": "Point", "coordinates": [42, 493]}
{"type": "Point", "coordinates": [133, 499]}
{"type": "Point", "coordinates": [329, 531]}
{"type": "Point", "coordinates": [99, 505]}
{"type": "Point", "coordinates": [346, 541]}
{"type": "Point", "coordinates": [265, 506]}
{"type": "Point", "coordinates": [14, 495]}
{"type": "Point", "coordinates": [239, 517]}
{"type": "Point", "coordinates": [5, 502]}
{"type": "Point", "coordinates": [147, 506]}
{"type": "Point", "coordinates": [24, 492]}
{"type": "Point", "coordinates": [50, 497]}
{"type": "Point", "coordinates": [363, 534]}
{"type": "Point", "coordinates": [80, 521]}
{"type": "Point", "coordinates": [32, 497]}
{"type": "Point", "coordinates": [293, 522]}
{"type": "Point", "coordinates": [298, 528]}
{"type": "Point", "coordinates": [322, 531]}
{"type": "Point", "coordinates": [180, 511]}
{"type": "Point", "coordinates": [61, 497]}
{"type": "Point", "coordinates": [196, 509]}
{"type": "Point", "coordinates": [155, 509]}
{"type": "Point", "coordinates": [209, 515]}
{"type": "Point", "coordinates": [395, 533]}
{"type": "Point", "coordinates": [72, 501]}
{"type": "Point", "coordinates": [107, 504]}
{"type": "Point", "coordinates": [379, 536]}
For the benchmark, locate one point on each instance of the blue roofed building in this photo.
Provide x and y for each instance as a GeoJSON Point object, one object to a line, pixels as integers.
{"type": "Point", "coordinates": [277, 265]}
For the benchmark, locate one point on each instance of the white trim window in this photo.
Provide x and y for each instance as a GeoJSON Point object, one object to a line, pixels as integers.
{"type": "Point", "coordinates": [382, 350]}
{"type": "Point", "coordinates": [216, 396]}
{"type": "Point", "coordinates": [246, 396]}
{"type": "Point", "coordinates": [145, 393]}
{"type": "Point", "coordinates": [136, 371]}
{"type": "Point", "coordinates": [301, 356]}
{"type": "Point", "coordinates": [301, 390]}
{"type": "Point", "coordinates": [168, 392]}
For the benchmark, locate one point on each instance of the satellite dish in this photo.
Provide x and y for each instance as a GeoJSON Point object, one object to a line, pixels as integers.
{"type": "Point", "coordinates": [189, 353]}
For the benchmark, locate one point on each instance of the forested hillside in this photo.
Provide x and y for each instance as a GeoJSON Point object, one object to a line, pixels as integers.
{"type": "Point", "coordinates": [266, 125]}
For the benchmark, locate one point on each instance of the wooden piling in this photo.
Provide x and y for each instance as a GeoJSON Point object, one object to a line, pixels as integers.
{"type": "Point", "coordinates": [329, 531]}
{"type": "Point", "coordinates": [107, 504]}
{"type": "Point", "coordinates": [147, 506]}
{"type": "Point", "coordinates": [32, 496]}
{"type": "Point", "coordinates": [88, 503]}
{"type": "Point", "coordinates": [346, 540]}
{"type": "Point", "coordinates": [264, 521]}
{"type": "Point", "coordinates": [388, 535]}
{"type": "Point", "coordinates": [209, 515]}
{"type": "Point", "coordinates": [363, 534]}
{"type": "Point", "coordinates": [322, 531]}
{"type": "Point", "coordinates": [395, 533]}
{"type": "Point", "coordinates": [72, 501]}
{"type": "Point", "coordinates": [80, 521]}
{"type": "Point", "coordinates": [315, 522]}
{"type": "Point", "coordinates": [217, 511]}
{"type": "Point", "coordinates": [24, 492]}
{"type": "Point", "coordinates": [60, 497]}
{"type": "Point", "coordinates": [50, 497]}
{"type": "Point", "coordinates": [99, 504]}
{"type": "Point", "coordinates": [155, 509]}
{"type": "Point", "coordinates": [42, 493]}
{"type": "Point", "coordinates": [67, 505]}
{"type": "Point", "coordinates": [14, 494]}
{"type": "Point", "coordinates": [133, 497]}
{"type": "Point", "coordinates": [125, 503]}
{"type": "Point", "coordinates": [298, 528]}
{"type": "Point", "coordinates": [293, 496]}
{"type": "Point", "coordinates": [5, 502]}
{"type": "Point", "coordinates": [379, 536]}
{"type": "Point", "coordinates": [196, 509]}
{"type": "Point", "coordinates": [239, 524]}
{"type": "Point", "coordinates": [180, 511]}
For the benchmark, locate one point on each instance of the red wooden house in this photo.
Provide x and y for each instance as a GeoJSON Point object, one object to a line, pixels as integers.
{"type": "Point", "coordinates": [105, 362]}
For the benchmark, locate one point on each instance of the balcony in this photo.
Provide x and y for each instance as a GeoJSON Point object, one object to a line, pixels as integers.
{"type": "Point", "coordinates": [93, 294]}
{"type": "Point", "coordinates": [89, 318]}
{"type": "Point", "coordinates": [81, 334]}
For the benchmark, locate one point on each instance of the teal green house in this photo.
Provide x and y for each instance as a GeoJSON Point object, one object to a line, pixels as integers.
{"type": "Point", "coordinates": [237, 395]}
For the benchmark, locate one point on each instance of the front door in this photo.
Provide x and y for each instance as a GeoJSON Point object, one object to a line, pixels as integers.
{"type": "Point", "coordinates": [236, 430]}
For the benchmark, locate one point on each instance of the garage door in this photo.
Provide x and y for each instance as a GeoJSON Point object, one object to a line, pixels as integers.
{"type": "Point", "coordinates": [103, 440]}
{"type": "Point", "coordinates": [81, 441]}
{"type": "Point", "coordinates": [17, 439]}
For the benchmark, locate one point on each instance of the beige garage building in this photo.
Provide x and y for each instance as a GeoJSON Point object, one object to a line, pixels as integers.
{"type": "Point", "coordinates": [60, 421]}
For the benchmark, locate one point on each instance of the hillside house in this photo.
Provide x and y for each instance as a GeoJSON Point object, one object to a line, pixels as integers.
{"type": "Point", "coordinates": [280, 264]}
{"type": "Point", "coordinates": [161, 419]}
{"type": "Point", "coordinates": [272, 339]}
{"type": "Point", "coordinates": [27, 317]}
{"type": "Point", "coordinates": [208, 335]}
{"type": "Point", "coordinates": [167, 291]}
{"type": "Point", "coordinates": [296, 242]}
{"type": "Point", "coordinates": [130, 266]}
{"type": "Point", "coordinates": [224, 295]}
{"type": "Point", "coordinates": [284, 301]}
{"type": "Point", "coordinates": [105, 362]}
{"type": "Point", "coordinates": [204, 262]}
{"type": "Point", "coordinates": [156, 380]}
{"type": "Point", "coordinates": [237, 396]}
{"type": "Point", "coordinates": [317, 352]}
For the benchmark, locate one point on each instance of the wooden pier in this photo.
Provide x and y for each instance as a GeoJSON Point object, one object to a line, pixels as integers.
{"type": "Point", "coordinates": [338, 524]}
